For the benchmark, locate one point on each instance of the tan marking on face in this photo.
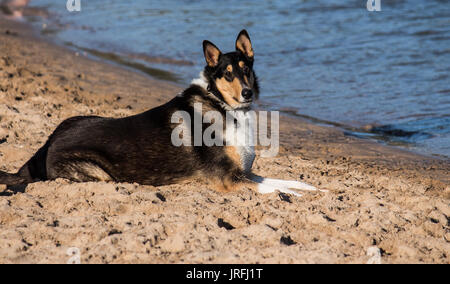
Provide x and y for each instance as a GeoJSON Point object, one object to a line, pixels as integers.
{"type": "Point", "coordinates": [242, 64]}
{"type": "Point", "coordinates": [230, 68]}
{"type": "Point", "coordinates": [231, 91]}
{"type": "Point", "coordinates": [246, 81]}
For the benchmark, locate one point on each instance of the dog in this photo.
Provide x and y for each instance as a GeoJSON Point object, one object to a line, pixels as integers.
{"type": "Point", "coordinates": [140, 148]}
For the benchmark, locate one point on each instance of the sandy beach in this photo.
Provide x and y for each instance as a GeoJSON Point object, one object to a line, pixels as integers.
{"type": "Point", "coordinates": [380, 198]}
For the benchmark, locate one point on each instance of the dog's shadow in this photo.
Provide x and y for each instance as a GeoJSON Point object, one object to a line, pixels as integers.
{"type": "Point", "coordinates": [13, 190]}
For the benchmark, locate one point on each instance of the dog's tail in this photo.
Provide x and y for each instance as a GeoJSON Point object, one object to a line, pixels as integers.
{"type": "Point", "coordinates": [33, 170]}
{"type": "Point", "coordinates": [13, 179]}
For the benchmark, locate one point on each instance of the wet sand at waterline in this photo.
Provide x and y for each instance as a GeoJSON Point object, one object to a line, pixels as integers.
{"type": "Point", "coordinates": [378, 196]}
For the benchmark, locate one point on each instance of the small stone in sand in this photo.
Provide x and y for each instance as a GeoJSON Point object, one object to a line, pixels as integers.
{"type": "Point", "coordinates": [222, 224]}
{"type": "Point", "coordinates": [287, 241]}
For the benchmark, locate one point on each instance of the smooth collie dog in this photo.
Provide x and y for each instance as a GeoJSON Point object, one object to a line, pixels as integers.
{"type": "Point", "coordinates": [140, 148]}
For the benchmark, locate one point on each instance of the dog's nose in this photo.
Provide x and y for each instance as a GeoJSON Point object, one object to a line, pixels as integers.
{"type": "Point", "coordinates": [247, 94]}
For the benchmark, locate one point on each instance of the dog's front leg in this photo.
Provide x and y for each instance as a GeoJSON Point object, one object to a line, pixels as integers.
{"type": "Point", "coordinates": [239, 181]}
{"type": "Point", "coordinates": [264, 188]}
{"type": "Point", "coordinates": [284, 184]}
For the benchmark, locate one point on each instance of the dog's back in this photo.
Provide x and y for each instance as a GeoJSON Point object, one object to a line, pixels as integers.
{"type": "Point", "coordinates": [136, 148]}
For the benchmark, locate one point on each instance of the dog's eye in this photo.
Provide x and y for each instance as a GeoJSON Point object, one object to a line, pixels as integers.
{"type": "Point", "coordinates": [228, 76]}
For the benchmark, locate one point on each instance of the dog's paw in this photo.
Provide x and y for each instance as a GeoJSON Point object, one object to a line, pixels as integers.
{"type": "Point", "coordinates": [293, 184]}
{"type": "Point", "coordinates": [265, 188]}
{"type": "Point", "coordinates": [289, 191]}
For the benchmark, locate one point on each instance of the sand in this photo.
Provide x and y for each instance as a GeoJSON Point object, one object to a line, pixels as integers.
{"type": "Point", "coordinates": [382, 201]}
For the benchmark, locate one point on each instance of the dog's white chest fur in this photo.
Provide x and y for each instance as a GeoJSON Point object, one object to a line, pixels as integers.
{"type": "Point", "coordinates": [241, 135]}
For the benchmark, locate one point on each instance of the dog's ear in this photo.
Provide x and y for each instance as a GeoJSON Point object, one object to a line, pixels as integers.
{"type": "Point", "coordinates": [244, 44]}
{"type": "Point", "coordinates": [212, 53]}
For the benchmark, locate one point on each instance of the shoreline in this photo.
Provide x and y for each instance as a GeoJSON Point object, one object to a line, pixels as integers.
{"type": "Point", "coordinates": [379, 195]}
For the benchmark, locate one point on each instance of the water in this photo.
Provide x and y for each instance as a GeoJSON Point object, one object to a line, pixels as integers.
{"type": "Point", "coordinates": [381, 75]}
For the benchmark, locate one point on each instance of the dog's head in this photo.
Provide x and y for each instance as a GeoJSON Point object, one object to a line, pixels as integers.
{"type": "Point", "coordinates": [230, 76]}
